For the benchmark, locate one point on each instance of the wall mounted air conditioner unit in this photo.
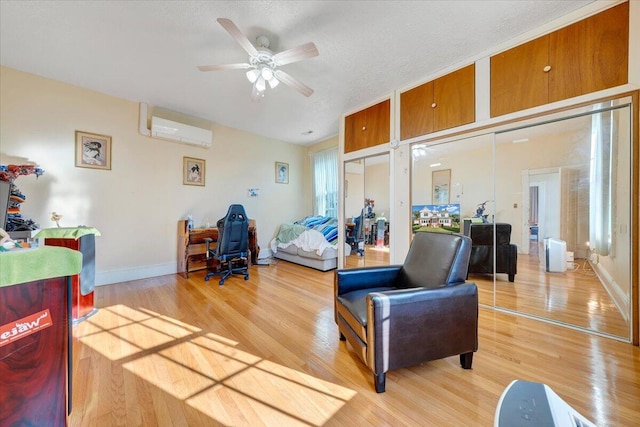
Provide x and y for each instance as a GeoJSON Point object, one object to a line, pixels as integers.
{"type": "Point", "coordinates": [180, 132]}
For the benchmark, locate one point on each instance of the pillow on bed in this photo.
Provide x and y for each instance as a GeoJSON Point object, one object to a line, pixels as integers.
{"type": "Point", "coordinates": [329, 231]}
{"type": "Point", "coordinates": [313, 220]}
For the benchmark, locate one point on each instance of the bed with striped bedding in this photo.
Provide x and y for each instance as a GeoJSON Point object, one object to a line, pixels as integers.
{"type": "Point", "coordinates": [311, 241]}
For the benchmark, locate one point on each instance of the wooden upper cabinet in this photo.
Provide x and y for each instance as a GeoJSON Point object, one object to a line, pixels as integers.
{"type": "Point", "coordinates": [416, 111]}
{"type": "Point", "coordinates": [454, 96]}
{"type": "Point", "coordinates": [581, 58]}
{"type": "Point", "coordinates": [518, 80]}
{"type": "Point", "coordinates": [368, 127]}
{"type": "Point", "coordinates": [446, 102]}
{"type": "Point", "coordinates": [590, 55]}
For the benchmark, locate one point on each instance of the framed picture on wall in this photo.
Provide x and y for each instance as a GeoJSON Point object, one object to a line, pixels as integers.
{"type": "Point", "coordinates": [441, 183]}
{"type": "Point", "coordinates": [93, 150]}
{"type": "Point", "coordinates": [282, 173]}
{"type": "Point", "coordinates": [193, 171]}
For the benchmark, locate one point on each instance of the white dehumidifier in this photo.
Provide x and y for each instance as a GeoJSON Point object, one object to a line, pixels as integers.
{"type": "Point", "coordinates": [555, 254]}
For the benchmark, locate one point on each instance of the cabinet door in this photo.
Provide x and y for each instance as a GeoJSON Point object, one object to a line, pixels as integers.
{"type": "Point", "coordinates": [416, 111]}
{"type": "Point", "coordinates": [354, 126]}
{"type": "Point", "coordinates": [454, 98]}
{"type": "Point", "coordinates": [518, 77]}
{"type": "Point", "coordinates": [367, 128]}
{"type": "Point", "coordinates": [590, 55]}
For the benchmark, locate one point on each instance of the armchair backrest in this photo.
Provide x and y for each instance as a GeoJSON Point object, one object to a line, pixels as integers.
{"type": "Point", "coordinates": [482, 234]}
{"type": "Point", "coordinates": [435, 260]}
{"type": "Point", "coordinates": [233, 233]}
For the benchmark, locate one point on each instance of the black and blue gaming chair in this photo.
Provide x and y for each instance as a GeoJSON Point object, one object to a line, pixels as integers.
{"type": "Point", "coordinates": [357, 236]}
{"type": "Point", "coordinates": [232, 247]}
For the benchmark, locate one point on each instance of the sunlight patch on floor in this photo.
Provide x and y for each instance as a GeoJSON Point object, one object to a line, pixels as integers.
{"type": "Point", "coordinates": [208, 372]}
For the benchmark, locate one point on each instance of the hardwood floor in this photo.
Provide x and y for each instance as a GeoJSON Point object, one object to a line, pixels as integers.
{"type": "Point", "coordinates": [372, 256]}
{"type": "Point", "coordinates": [170, 351]}
{"type": "Point", "coordinates": [576, 297]}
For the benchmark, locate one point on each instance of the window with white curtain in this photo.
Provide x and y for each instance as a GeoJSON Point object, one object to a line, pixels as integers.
{"type": "Point", "coordinates": [602, 172]}
{"type": "Point", "coordinates": [325, 182]}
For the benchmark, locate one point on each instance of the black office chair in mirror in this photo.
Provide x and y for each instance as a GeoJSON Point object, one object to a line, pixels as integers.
{"type": "Point", "coordinates": [555, 193]}
{"type": "Point", "coordinates": [366, 211]}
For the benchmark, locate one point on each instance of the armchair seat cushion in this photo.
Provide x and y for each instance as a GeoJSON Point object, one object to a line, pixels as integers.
{"type": "Point", "coordinates": [355, 302]}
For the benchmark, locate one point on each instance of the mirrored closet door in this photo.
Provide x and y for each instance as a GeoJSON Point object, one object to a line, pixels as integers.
{"type": "Point", "coordinates": [547, 205]}
{"type": "Point", "coordinates": [452, 188]}
{"type": "Point", "coordinates": [366, 210]}
{"type": "Point", "coordinates": [565, 187]}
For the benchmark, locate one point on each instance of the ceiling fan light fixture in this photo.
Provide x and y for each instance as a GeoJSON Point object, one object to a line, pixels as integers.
{"type": "Point", "coordinates": [260, 84]}
{"type": "Point", "coordinates": [263, 63]}
{"type": "Point", "coordinates": [266, 73]}
{"type": "Point", "coordinates": [252, 75]}
{"type": "Point", "coordinates": [273, 82]}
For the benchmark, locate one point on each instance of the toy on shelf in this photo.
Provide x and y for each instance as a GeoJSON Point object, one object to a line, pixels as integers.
{"type": "Point", "coordinates": [9, 173]}
{"type": "Point", "coordinates": [56, 217]}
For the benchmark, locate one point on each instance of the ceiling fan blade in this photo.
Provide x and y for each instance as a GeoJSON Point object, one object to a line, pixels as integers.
{"type": "Point", "coordinates": [242, 66]}
{"type": "Point", "coordinates": [235, 32]}
{"type": "Point", "coordinates": [294, 83]}
{"type": "Point", "coordinates": [307, 50]}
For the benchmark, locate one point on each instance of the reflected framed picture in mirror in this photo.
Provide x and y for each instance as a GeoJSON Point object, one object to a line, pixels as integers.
{"type": "Point", "coordinates": [441, 183]}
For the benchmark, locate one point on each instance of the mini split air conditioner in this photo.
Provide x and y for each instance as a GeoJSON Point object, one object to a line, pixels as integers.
{"type": "Point", "coordinates": [180, 132]}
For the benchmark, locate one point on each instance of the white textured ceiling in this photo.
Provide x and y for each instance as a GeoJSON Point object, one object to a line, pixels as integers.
{"type": "Point", "coordinates": [148, 51]}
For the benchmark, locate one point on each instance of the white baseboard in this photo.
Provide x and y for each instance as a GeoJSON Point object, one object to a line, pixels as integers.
{"type": "Point", "coordinates": [134, 273]}
{"type": "Point", "coordinates": [620, 299]}
{"type": "Point", "coordinates": [265, 253]}
{"type": "Point", "coordinates": [144, 272]}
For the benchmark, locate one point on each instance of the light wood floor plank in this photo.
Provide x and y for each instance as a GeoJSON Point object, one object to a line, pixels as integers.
{"type": "Point", "coordinates": [170, 351]}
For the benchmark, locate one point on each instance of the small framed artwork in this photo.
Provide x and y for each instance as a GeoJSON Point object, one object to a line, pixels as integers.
{"type": "Point", "coordinates": [93, 150]}
{"type": "Point", "coordinates": [282, 173]}
{"type": "Point", "coordinates": [441, 181]}
{"type": "Point", "coordinates": [193, 171]}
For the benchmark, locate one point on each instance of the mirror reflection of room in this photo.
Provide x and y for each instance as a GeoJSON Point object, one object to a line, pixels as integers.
{"type": "Point", "coordinates": [367, 211]}
{"type": "Point", "coordinates": [554, 240]}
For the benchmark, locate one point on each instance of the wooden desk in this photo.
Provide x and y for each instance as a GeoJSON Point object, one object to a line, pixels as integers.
{"type": "Point", "coordinates": [192, 247]}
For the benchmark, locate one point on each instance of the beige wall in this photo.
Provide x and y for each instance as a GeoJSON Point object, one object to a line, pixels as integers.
{"type": "Point", "coordinates": [377, 186]}
{"type": "Point", "coordinates": [136, 205]}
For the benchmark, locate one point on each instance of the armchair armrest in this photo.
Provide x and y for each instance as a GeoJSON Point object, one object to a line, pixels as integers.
{"type": "Point", "coordinates": [354, 279]}
{"type": "Point", "coordinates": [399, 319]}
{"type": "Point", "coordinates": [423, 295]}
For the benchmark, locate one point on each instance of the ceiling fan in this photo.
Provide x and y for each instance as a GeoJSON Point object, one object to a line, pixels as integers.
{"type": "Point", "coordinates": [263, 63]}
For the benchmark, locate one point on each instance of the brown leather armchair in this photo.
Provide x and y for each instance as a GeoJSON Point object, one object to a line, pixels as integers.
{"type": "Point", "coordinates": [402, 315]}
